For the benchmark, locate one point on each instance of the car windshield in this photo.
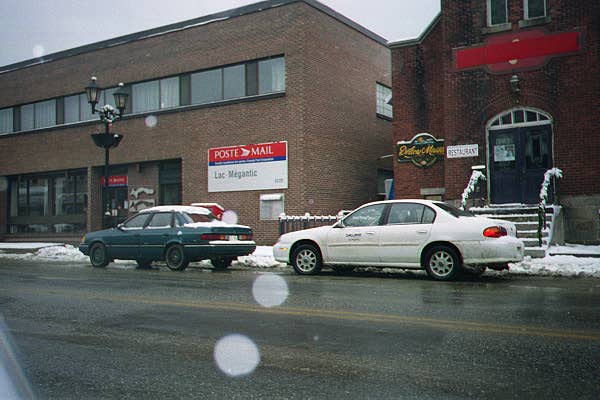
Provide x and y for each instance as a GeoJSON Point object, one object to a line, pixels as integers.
{"type": "Point", "coordinates": [454, 211]}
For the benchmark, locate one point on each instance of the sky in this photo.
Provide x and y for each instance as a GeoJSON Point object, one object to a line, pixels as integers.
{"type": "Point", "coordinates": [33, 28]}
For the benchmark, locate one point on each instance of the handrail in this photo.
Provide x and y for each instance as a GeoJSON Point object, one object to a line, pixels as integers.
{"type": "Point", "coordinates": [548, 176]}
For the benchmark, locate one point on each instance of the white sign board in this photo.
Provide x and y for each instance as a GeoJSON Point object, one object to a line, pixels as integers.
{"type": "Point", "coordinates": [461, 151]}
{"type": "Point", "coordinates": [504, 152]}
{"type": "Point", "coordinates": [253, 167]}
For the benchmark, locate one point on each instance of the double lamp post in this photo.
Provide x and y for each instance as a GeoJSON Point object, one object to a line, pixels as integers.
{"type": "Point", "coordinates": [106, 140]}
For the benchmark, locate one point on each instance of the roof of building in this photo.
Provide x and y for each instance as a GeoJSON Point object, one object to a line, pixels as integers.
{"type": "Point", "coordinates": [178, 26]}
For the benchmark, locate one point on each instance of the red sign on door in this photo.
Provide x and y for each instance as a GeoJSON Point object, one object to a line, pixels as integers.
{"type": "Point", "coordinates": [115, 180]}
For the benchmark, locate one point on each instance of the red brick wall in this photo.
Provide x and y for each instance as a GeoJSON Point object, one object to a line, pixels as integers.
{"type": "Point", "coordinates": [327, 114]}
{"type": "Point", "coordinates": [429, 95]}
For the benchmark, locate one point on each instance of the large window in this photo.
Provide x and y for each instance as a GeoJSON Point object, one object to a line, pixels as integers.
{"type": "Point", "coordinates": [497, 12]}
{"type": "Point", "coordinates": [384, 95]}
{"type": "Point", "coordinates": [534, 8]}
{"type": "Point", "coordinates": [169, 92]}
{"type": "Point", "coordinates": [6, 120]}
{"type": "Point", "coordinates": [271, 75]}
{"type": "Point", "coordinates": [48, 203]}
{"type": "Point", "coordinates": [207, 86]}
{"type": "Point", "coordinates": [27, 117]}
{"type": "Point", "coordinates": [145, 96]}
{"type": "Point", "coordinates": [234, 82]}
{"type": "Point", "coordinates": [38, 115]}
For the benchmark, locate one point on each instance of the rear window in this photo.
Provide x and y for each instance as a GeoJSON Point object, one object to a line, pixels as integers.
{"type": "Point", "coordinates": [200, 217]}
{"type": "Point", "coordinates": [454, 211]}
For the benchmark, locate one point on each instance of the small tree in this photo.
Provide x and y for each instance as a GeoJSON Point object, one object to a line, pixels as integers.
{"type": "Point", "coordinates": [475, 177]}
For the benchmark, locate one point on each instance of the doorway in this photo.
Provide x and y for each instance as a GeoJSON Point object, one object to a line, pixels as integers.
{"type": "Point", "coordinates": [519, 153]}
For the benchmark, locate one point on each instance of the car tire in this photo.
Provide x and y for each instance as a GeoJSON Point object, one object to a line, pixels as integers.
{"type": "Point", "coordinates": [306, 260]}
{"type": "Point", "coordinates": [98, 255]}
{"type": "Point", "coordinates": [442, 263]}
{"type": "Point", "coordinates": [221, 263]}
{"type": "Point", "coordinates": [176, 258]}
{"type": "Point", "coordinates": [143, 264]}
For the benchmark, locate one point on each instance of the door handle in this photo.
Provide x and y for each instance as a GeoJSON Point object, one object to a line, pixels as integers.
{"type": "Point", "coordinates": [422, 232]}
{"type": "Point", "coordinates": [370, 233]}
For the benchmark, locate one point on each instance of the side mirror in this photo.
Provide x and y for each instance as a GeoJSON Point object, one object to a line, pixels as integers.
{"type": "Point", "coordinates": [120, 227]}
{"type": "Point", "coordinates": [339, 224]}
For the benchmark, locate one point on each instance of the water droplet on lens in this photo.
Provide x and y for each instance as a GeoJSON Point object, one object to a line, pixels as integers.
{"type": "Point", "coordinates": [270, 290]}
{"type": "Point", "coordinates": [230, 217]}
{"type": "Point", "coordinates": [236, 355]}
{"type": "Point", "coordinates": [151, 121]}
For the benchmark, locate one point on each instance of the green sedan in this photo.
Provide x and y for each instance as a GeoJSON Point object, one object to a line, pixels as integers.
{"type": "Point", "coordinates": [171, 234]}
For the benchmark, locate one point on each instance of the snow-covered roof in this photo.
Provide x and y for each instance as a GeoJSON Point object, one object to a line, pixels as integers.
{"type": "Point", "coordinates": [186, 209]}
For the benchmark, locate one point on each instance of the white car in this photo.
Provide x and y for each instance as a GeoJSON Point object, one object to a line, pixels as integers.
{"type": "Point", "coordinates": [407, 234]}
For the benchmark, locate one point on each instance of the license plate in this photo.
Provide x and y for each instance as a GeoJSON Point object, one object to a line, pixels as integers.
{"type": "Point", "coordinates": [232, 237]}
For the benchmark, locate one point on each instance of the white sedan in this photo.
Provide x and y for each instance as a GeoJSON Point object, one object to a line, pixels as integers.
{"type": "Point", "coordinates": [407, 234]}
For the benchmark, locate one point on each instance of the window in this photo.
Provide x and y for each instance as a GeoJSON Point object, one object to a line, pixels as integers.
{"type": "Point", "coordinates": [45, 114]}
{"type": "Point", "coordinates": [169, 92]}
{"type": "Point", "coordinates": [169, 180]}
{"type": "Point", "coordinates": [534, 8]}
{"type": "Point", "coordinates": [85, 109]}
{"type": "Point", "coordinates": [410, 213]}
{"type": "Point", "coordinates": [366, 216]}
{"type": "Point", "coordinates": [271, 206]}
{"type": "Point", "coordinates": [384, 95]}
{"type": "Point", "coordinates": [72, 112]}
{"type": "Point", "coordinates": [27, 117]}
{"type": "Point", "coordinates": [234, 82]}
{"type": "Point", "coordinates": [70, 195]}
{"type": "Point", "coordinates": [497, 12]}
{"type": "Point", "coordinates": [136, 222]}
{"type": "Point", "coordinates": [160, 220]}
{"type": "Point", "coordinates": [207, 86]}
{"type": "Point", "coordinates": [6, 120]}
{"type": "Point", "coordinates": [145, 96]}
{"type": "Point", "coordinates": [271, 75]}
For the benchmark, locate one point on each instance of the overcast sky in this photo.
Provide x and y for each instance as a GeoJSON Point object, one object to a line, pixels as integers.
{"type": "Point", "coordinates": [33, 28]}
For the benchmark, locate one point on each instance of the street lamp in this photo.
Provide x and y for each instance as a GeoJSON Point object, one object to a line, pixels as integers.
{"type": "Point", "coordinates": [106, 140]}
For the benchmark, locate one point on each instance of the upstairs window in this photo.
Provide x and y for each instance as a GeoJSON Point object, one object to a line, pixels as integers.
{"type": "Point", "coordinates": [534, 8]}
{"type": "Point", "coordinates": [384, 96]}
{"type": "Point", "coordinates": [145, 96]}
{"type": "Point", "coordinates": [6, 120]}
{"type": "Point", "coordinates": [271, 75]}
{"type": "Point", "coordinates": [497, 12]}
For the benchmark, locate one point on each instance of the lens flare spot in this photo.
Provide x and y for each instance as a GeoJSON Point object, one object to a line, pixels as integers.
{"type": "Point", "coordinates": [151, 121]}
{"type": "Point", "coordinates": [230, 217]}
{"type": "Point", "coordinates": [236, 355]}
{"type": "Point", "coordinates": [270, 290]}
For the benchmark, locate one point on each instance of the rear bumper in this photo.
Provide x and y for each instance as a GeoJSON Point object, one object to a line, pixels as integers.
{"type": "Point", "coordinates": [219, 249]}
{"type": "Point", "coordinates": [502, 250]}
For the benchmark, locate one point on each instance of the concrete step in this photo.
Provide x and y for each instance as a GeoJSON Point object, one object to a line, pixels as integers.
{"type": "Point", "coordinates": [535, 252]}
{"type": "Point", "coordinates": [533, 234]}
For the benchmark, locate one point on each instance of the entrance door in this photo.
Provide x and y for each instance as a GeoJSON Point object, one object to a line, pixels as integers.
{"type": "Point", "coordinates": [519, 157]}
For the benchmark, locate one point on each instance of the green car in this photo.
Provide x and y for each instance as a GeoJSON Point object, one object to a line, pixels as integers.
{"type": "Point", "coordinates": [175, 234]}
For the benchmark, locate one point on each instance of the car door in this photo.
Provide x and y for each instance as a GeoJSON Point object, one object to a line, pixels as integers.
{"type": "Point", "coordinates": [356, 239]}
{"type": "Point", "coordinates": [407, 229]}
{"type": "Point", "coordinates": [155, 235]}
{"type": "Point", "coordinates": [124, 243]}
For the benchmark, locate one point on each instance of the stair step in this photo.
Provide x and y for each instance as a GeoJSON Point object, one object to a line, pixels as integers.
{"type": "Point", "coordinates": [535, 252]}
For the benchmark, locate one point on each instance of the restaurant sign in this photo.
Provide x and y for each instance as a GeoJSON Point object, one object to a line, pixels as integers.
{"type": "Point", "coordinates": [423, 150]}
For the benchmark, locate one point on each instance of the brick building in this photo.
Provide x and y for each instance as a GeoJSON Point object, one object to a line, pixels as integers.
{"type": "Point", "coordinates": [293, 73]}
{"type": "Point", "coordinates": [509, 85]}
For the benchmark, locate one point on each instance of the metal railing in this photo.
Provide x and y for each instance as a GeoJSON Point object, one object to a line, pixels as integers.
{"type": "Point", "coordinates": [291, 223]}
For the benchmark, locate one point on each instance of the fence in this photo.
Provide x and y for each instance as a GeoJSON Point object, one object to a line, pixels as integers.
{"type": "Point", "coordinates": [291, 223]}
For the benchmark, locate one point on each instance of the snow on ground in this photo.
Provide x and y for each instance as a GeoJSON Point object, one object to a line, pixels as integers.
{"type": "Point", "coordinates": [560, 262]}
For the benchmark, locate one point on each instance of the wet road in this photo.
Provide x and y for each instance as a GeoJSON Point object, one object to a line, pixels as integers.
{"type": "Point", "coordinates": [82, 333]}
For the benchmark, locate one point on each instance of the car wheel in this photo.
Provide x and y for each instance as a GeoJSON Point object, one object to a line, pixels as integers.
{"type": "Point", "coordinates": [175, 258]}
{"type": "Point", "coordinates": [143, 264]}
{"type": "Point", "coordinates": [98, 255]}
{"type": "Point", "coordinates": [306, 260]}
{"type": "Point", "coordinates": [442, 263]}
{"type": "Point", "coordinates": [221, 263]}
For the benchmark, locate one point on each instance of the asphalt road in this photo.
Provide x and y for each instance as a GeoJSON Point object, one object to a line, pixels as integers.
{"type": "Point", "coordinates": [83, 333]}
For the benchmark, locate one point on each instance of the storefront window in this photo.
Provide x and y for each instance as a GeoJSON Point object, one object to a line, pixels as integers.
{"type": "Point", "coordinates": [54, 202]}
{"type": "Point", "coordinates": [169, 176]}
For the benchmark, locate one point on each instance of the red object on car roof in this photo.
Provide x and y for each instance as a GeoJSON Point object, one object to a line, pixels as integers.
{"type": "Point", "coordinates": [215, 208]}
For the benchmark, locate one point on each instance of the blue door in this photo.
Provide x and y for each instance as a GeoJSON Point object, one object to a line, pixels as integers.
{"type": "Point", "coordinates": [519, 157]}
